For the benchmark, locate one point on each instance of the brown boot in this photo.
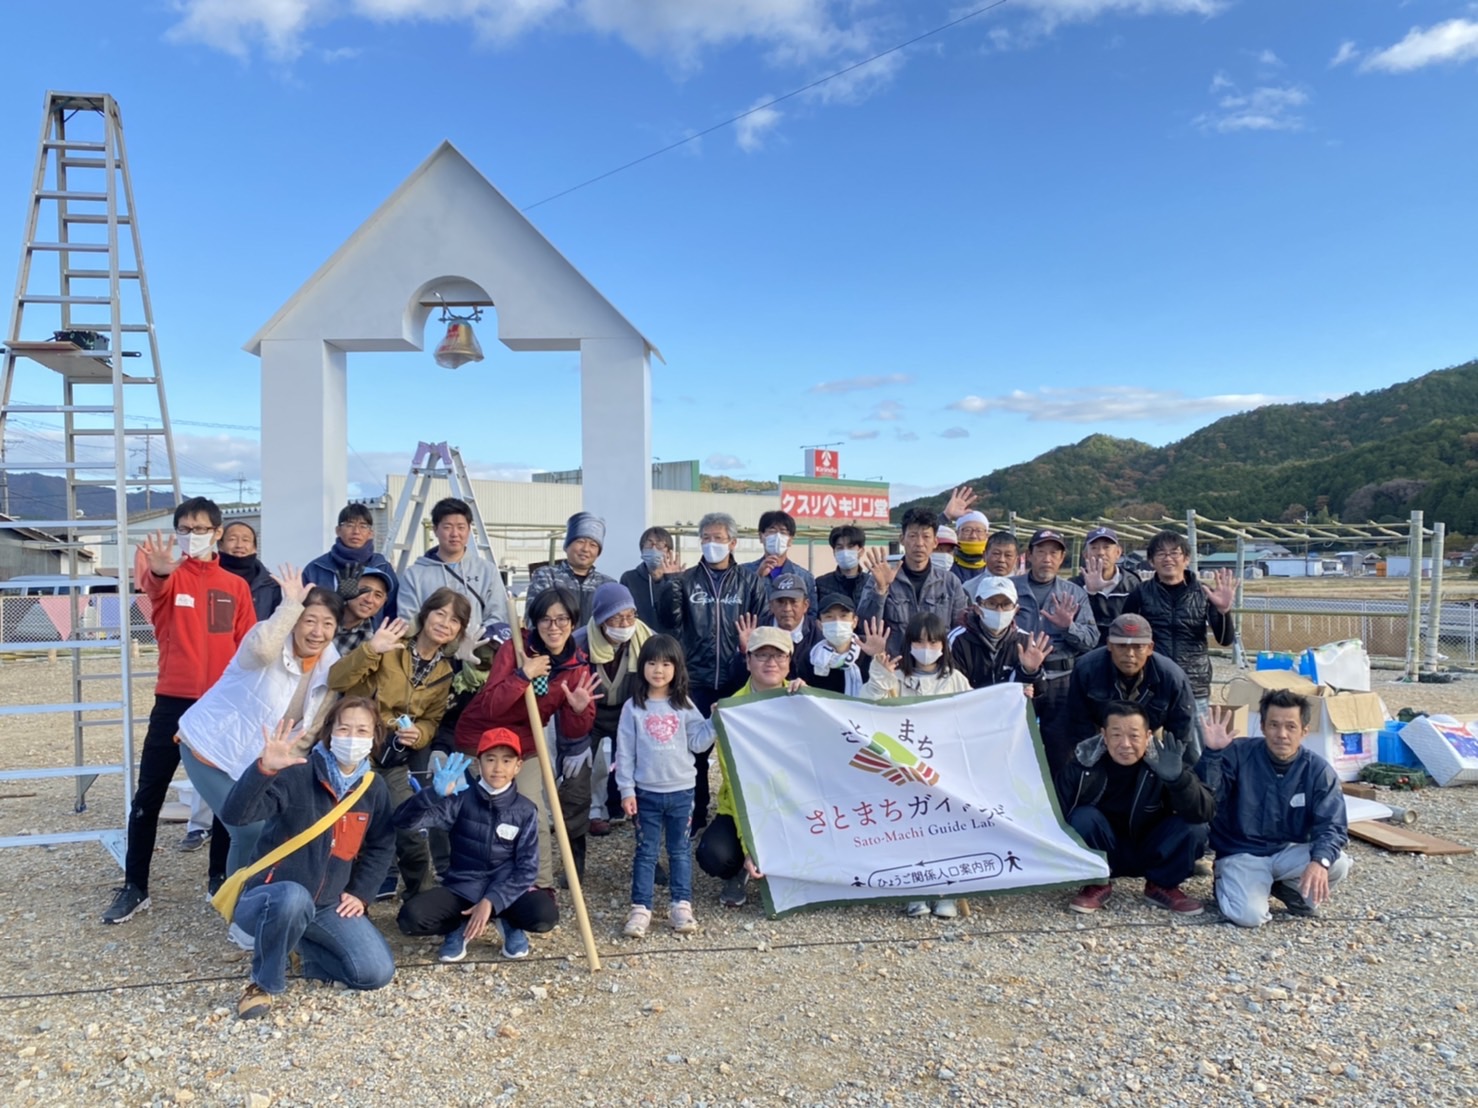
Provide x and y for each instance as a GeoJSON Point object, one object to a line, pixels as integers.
{"type": "Point", "coordinates": [255, 1003]}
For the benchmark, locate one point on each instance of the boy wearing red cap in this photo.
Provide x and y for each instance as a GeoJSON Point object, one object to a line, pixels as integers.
{"type": "Point", "coordinates": [494, 852]}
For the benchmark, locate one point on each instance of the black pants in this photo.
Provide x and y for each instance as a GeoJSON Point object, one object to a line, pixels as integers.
{"type": "Point", "coordinates": [220, 847]}
{"type": "Point", "coordinates": [439, 911]}
{"type": "Point", "coordinates": [1052, 721]}
{"type": "Point", "coordinates": [703, 700]}
{"type": "Point", "coordinates": [1165, 855]}
{"type": "Point", "coordinates": [720, 854]}
{"type": "Point", "coordinates": [157, 765]}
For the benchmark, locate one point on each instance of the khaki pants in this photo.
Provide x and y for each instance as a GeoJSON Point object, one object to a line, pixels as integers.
{"type": "Point", "coordinates": [530, 783]}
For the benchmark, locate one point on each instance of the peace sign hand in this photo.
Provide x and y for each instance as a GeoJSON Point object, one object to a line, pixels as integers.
{"type": "Point", "coordinates": [580, 695]}
{"type": "Point", "coordinates": [279, 747]}
{"type": "Point", "coordinates": [159, 551]}
{"type": "Point", "coordinates": [389, 637]}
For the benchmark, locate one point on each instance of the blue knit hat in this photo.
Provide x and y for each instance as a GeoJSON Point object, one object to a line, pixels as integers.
{"type": "Point", "coordinates": [583, 525]}
{"type": "Point", "coordinates": [610, 599]}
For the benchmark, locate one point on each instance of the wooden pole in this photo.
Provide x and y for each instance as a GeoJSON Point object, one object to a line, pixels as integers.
{"type": "Point", "coordinates": [551, 795]}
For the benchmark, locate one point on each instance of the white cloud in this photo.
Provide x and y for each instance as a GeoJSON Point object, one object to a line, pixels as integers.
{"type": "Point", "coordinates": [905, 436]}
{"type": "Point", "coordinates": [888, 411]}
{"type": "Point", "coordinates": [724, 461]}
{"type": "Point", "coordinates": [859, 435]}
{"type": "Point", "coordinates": [954, 433]}
{"type": "Point", "coordinates": [1268, 58]}
{"type": "Point", "coordinates": [1052, 13]}
{"type": "Point", "coordinates": [866, 381]}
{"type": "Point", "coordinates": [1109, 404]}
{"type": "Point", "coordinates": [1265, 108]}
{"type": "Point", "coordinates": [1345, 53]}
{"type": "Point", "coordinates": [750, 132]}
{"type": "Point", "coordinates": [1452, 42]}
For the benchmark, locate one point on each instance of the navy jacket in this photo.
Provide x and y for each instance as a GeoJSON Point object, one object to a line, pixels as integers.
{"type": "Point", "coordinates": [1259, 812]}
{"type": "Point", "coordinates": [1080, 636]}
{"type": "Point", "coordinates": [327, 572]}
{"type": "Point", "coordinates": [1163, 692]}
{"type": "Point", "coordinates": [1082, 782]}
{"type": "Point", "coordinates": [494, 839]}
{"type": "Point", "coordinates": [351, 857]}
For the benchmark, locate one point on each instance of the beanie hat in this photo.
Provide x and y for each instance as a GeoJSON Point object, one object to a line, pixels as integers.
{"type": "Point", "coordinates": [583, 525]}
{"type": "Point", "coordinates": [608, 600]}
{"type": "Point", "coordinates": [972, 517]}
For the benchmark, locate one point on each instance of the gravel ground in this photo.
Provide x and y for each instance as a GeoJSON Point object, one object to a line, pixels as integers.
{"type": "Point", "coordinates": [1019, 1003]}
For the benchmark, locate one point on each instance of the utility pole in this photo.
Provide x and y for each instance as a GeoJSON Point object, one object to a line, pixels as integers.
{"type": "Point", "coordinates": [240, 489]}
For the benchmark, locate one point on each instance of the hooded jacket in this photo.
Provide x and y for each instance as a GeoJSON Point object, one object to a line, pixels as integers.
{"type": "Point", "coordinates": [1082, 782]}
{"type": "Point", "coordinates": [494, 839]}
{"type": "Point", "coordinates": [700, 607]}
{"type": "Point", "coordinates": [643, 589]}
{"type": "Point", "coordinates": [1180, 616]}
{"type": "Point", "coordinates": [475, 577]}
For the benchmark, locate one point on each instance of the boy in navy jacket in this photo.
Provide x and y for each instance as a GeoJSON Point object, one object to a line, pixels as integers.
{"type": "Point", "coordinates": [494, 852]}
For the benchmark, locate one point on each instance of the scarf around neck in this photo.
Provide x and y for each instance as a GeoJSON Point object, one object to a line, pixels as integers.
{"type": "Point", "coordinates": [348, 555]}
{"type": "Point", "coordinates": [338, 780]}
{"type": "Point", "coordinates": [602, 650]}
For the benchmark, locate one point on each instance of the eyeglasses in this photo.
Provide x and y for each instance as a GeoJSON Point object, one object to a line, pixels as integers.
{"type": "Point", "coordinates": [769, 657]}
{"type": "Point", "coordinates": [357, 525]}
{"type": "Point", "coordinates": [1173, 553]}
{"type": "Point", "coordinates": [194, 530]}
{"type": "Point", "coordinates": [555, 621]}
{"type": "Point", "coordinates": [622, 621]}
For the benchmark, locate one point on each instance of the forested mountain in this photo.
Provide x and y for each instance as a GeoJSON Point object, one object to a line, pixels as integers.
{"type": "Point", "coordinates": [1375, 455]}
{"type": "Point", "coordinates": [42, 496]}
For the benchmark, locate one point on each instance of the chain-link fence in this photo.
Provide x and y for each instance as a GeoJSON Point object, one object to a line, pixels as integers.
{"type": "Point", "coordinates": [41, 614]}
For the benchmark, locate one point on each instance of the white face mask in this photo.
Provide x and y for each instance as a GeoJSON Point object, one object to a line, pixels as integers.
{"type": "Point", "coordinates": [926, 655]}
{"type": "Point", "coordinates": [652, 557]}
{"type": "Point", "coordinates": [838, 633]}
{"type": "Point", "coordinates": [848, 557]}
{"type": "Point", "coordinates": [197, 546]}
{"type": "Point", "coordinates": [996, 619]}
{"type": "Point", "coordinates": [715, 552]}
{"type": "Point", "coordinates": [350, 750]}
{"type": "Point", "coordinates": [943, 561]}
{"type": "Point", "coordinates": [619, 634]}
{"type": "Point", "coordinates": [777, 543]}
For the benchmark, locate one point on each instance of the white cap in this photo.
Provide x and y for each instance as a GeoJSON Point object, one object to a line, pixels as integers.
{"type": "Point", "coordinates": [985, 586]}
{"type": "Point", "coordinates": [972, 517]}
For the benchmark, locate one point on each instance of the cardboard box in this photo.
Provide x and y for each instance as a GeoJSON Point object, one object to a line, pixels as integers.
{"type": "Point", "coordinates": [1345, 727]}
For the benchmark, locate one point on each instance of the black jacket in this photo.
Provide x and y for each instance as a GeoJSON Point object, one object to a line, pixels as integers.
{"type": "Point", "coordinates": [1107, 606]}
{"type": "Point", "coordinates": [700, 608]}
{"type": "Point", "coordinates": [971, 649]}
{"type": "Point", "coordinates": [1180, 616]}
{"type": "Point", "coordinates": [486, 864]}
{"type": "Point", "coordinates": [834, 584]}
{"type": "Point", "coordinates": [1163, 692]}
{"type": "Point", "coordinates": [351, 857]}
{"type": "Point", "coordinates": [266, 593]}
{"type": "Point", "coordinates": [644, 591]}
{"type": "Point", "coordinates": [1081, 784]}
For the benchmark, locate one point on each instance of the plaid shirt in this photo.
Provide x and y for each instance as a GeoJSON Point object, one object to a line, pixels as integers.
{"type": "Point", "coordinates": [347, 639]}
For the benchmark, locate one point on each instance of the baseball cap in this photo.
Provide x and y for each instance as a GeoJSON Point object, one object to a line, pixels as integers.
{"type": "Point", "coordinates": [1102, 533]}
{"type": "Point", "coordinates": [375, 571]}
{"type": "Point", "coordinates": [495, 737]}
{"type": "Point", "coordinates": [985, 586]}
{"type": "Point", "coordinates": [1046, 534]}
{"type": "Point", "coordinates": [788, 584]}
{"type": "Point", "coordinates": [771, 636]}
{"type": "Point", "coordinates": [838, 600]}
{"type": "Point", "coordinates": [1130, 628]}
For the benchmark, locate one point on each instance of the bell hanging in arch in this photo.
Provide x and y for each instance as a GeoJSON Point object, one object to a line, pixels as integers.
{"type": "Point", "coordinates": [459, 347]}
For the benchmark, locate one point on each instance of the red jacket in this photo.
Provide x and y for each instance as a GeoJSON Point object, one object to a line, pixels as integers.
{"type": "Point", "coordinates": [500, 703]}
{"type": "Point", "coordinates": [200, 613]}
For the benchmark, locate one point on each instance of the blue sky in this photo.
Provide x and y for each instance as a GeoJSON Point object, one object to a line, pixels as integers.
{"type": "Point", "coordinates": [1057, 218]}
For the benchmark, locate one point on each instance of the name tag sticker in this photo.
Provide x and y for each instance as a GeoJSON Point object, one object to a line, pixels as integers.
{"type": "Point", "coordinates": [507, 832]}
{"type": "Point", "coordinates": [1297, 801]}
{"type": "Point", "coordinates": [183, 600]}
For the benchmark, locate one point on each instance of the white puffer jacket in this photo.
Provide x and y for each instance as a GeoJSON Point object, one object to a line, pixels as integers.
{"type": "Point", "coordinates": [224, 727]}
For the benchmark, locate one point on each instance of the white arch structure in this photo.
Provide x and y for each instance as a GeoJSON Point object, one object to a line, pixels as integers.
{"type": "Point", "coordinates": [446, 230]}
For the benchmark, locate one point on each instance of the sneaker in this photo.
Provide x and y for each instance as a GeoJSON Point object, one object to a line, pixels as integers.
{"type": "Point", "coordinates": [1091, 898]}
{"type": "Point", "coordinates": [127, 903]}
{"type": "Point", "coordinates": [1173, 899]}
{"type": "Point", "coordinates": [915, 909]}
{"type": "Point", "coordinates": [637, 922]}
{"type": "Point", "coordinates": [515, 942]}
{"type": "Point", "coordinates": [600, 827]}
{"type": "Point", "coordinates": [241, 937]}
{"type": "Point", "coordinates": [680, 917]}
{"type": "Point", "coordinates": [945, 909]}
{"type": "Point", "coordinates": [733, 895]}
{"type": "Point", "coordinates": [1295, 901]}
{"type": "Point", "coordinates": [213, 885]}
{"type": "Point", "coordinates": [194, 840]}
{"type": "Point", "coordinates": [255, 1003]}
{"type": "Point", "coordinates": [454, 946]}
{"type": "Point", "coordinates": [388, 886]}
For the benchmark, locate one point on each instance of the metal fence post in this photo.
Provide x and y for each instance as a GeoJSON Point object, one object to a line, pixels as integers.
{"type": "Point", "coordinates": [1434, 601]}
{"type": "Point", "coordinates": [1414, 601]}
{"type": "Point", "coordinates": [1238, 654]}
{"type": "Point", "coordinates": [1190, 537]}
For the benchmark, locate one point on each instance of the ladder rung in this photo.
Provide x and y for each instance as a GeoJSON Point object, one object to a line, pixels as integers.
{"type": "Point", "coordinates": [111, 721]}
{"type": "Point", "coordinates": [103, 300]}
{"type": "Point", "coordinates": [89, 197]}
{"type": "Point", "coordinates": [93, 217]}
{"type": "Point", "coordinates": [69, 144]}
{"type": "Point", "coordinates": [60, 771]}
{"type": "Point", "coordinates": [102, 274]}
{"type": "Point", "coordinates": [44, 466]}
{"type": "Point", "coordinates": [40, 709]}
{"type": "Point", "coordinates": [60, 525]}
{"type": "Point", "coordinates": [62, 838]}
{"type": "Point", "coordinates": [73, 247]}
{"type": "Point", "coordinates": [114, 676]}
{"type": "Point", "coordinates": [59, 644]}
{"type": "Point", "coordinates": [52, 544]}
{"type": "Point", "coordinates": [83, 163]}
{"type": "Point", "coordinates": [126, 431]}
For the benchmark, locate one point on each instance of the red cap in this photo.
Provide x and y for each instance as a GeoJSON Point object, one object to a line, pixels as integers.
{"type": "Point", "coordinates": [499, 736]}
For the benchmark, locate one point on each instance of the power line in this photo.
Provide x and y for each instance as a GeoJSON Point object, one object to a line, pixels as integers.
{"type": "Point", "coordinates": [771, 103]}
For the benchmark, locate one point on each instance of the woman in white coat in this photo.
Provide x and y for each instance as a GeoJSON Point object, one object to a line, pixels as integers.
{"type": "Point", "coordinates": [280, 671]}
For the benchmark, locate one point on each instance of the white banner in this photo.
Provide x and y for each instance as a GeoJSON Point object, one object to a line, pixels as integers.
{"type": "Point", "coordinates": [843, 800]}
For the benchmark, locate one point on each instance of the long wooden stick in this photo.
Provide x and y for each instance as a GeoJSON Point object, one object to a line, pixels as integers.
{"type": "Point", "coordinates": [551, 793]}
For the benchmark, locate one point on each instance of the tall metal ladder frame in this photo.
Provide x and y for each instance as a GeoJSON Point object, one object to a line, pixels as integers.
{"type": "Point", "coordinates": [432, 460]}
{"type": "Point", "coordinates": [87, 371]}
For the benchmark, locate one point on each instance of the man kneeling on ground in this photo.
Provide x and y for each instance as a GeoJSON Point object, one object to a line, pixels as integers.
{"type": "Point", "coordinates": [1280, 815]}
{"type": "Point", "coordinates": [1131, 795]}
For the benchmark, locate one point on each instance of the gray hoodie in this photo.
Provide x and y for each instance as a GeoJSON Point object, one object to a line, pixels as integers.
{"type": "Point", "coordinates": [475, 577]}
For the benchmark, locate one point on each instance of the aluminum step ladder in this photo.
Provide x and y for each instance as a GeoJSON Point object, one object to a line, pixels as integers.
{"type": "Point", "coordinates": [432, 460]}
{"type": "Point", "coordinates": [78, 324]}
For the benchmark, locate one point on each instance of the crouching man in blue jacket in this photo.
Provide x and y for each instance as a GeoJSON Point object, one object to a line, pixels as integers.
{"type": "Point", "coordinates": [1280, 826]}
{"type": "Point", "coordinates": [495, 852]}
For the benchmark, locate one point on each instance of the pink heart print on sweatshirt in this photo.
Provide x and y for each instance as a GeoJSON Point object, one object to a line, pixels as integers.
{"type": "Point", "coordinates": [662, 729]}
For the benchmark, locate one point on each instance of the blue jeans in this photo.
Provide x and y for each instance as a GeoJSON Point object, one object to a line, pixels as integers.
{"type": "Point", "coordinates": [659, 814]}
{"type": "Point", "coordinates": [214, 785]}
{"type": "Point", "coordinates": [283, 918]}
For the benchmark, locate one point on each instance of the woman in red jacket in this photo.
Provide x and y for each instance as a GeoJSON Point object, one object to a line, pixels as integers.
{"type": "Point", "coordinates": [564, 689]}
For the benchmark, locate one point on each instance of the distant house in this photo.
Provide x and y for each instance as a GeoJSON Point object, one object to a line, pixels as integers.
{"type": "Point", "coordinates": [1311, 566]}
{"type": "Point", "coordinates": [25, 552]}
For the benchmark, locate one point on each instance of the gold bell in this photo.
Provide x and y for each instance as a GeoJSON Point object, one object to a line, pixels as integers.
{"type": "Point", "coordinates": [459, 347]}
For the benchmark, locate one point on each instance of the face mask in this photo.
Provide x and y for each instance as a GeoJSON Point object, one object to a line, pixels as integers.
{"type": "Point", "coordinates": [715, 552]}
{"type": "Point", "coordinates": [972, 549]}
{"type": "Point", "coordinates": [778, 543]}
{"type": "Point", "coordinates": [196, 546]}
{"type": "Point", "coordinates": [996, 619]}
{"type": "Point", "coordinates": [492, 791]}
{"type": "Point", "coordinates": [926, 655]}
{"type": "Point", "coordinates": [350, 750]}
{"type": "Point", "coordinates": [943, 561]}
{"type": "Point", "coordinates": [848, 557]}
{"type": "Point", "coordinates": [838, 633]}
{"type": "Point", "coordinates": [618, 634]}
{"type": "Point", "coordinates": [652, 557]}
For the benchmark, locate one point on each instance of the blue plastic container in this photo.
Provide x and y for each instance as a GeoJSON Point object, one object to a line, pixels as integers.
{"type": "Point", "coordinates": [1391, 749]}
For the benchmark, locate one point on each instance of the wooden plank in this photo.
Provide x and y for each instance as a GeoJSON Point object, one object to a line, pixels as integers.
{"type": "Point", "coordinates": [1404, 839]}
{"type": "Point", "coordinates": [1358, 788]}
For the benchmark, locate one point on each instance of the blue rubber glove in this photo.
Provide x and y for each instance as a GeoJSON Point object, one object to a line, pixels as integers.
{"type": "Point", "coordinates": [451, 778]}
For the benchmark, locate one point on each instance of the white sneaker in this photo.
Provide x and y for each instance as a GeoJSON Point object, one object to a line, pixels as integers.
{"type": "Point", "coordinates": [637, 922]}
{"type": "Point", "coordinates": [680, 917]}
{"type": "Point", "coordinates": [916, 908]}
{"type": "Point", "coordinates": [242, 937]}
{"type": "Point", "coordinates": [945, 909]}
